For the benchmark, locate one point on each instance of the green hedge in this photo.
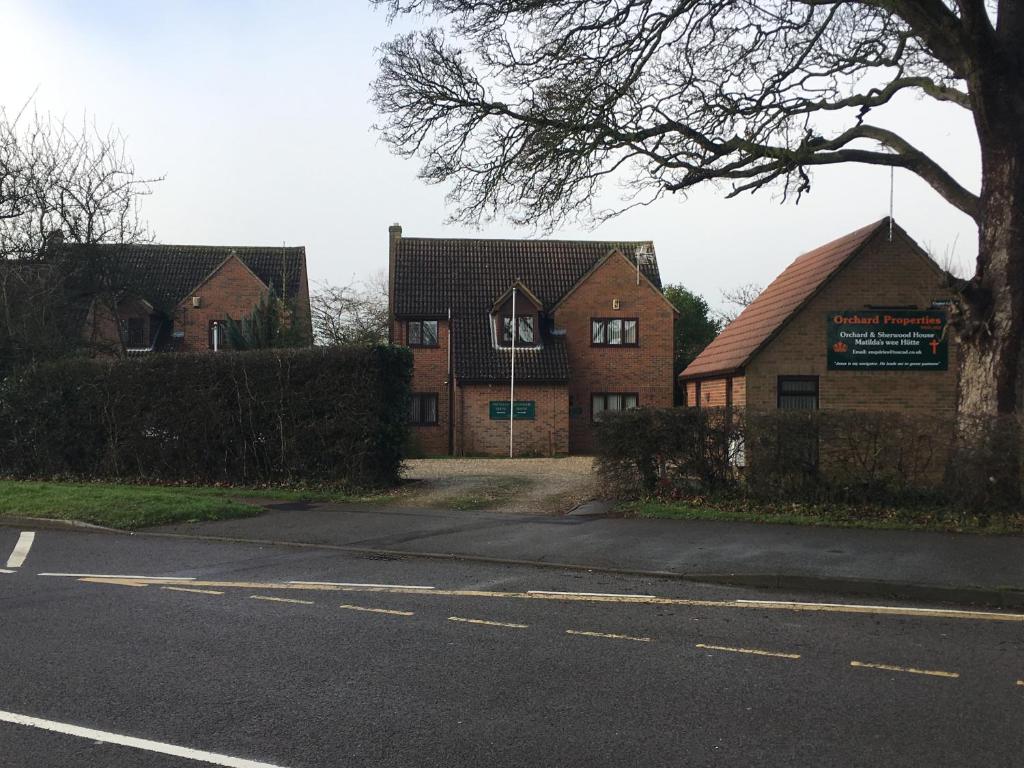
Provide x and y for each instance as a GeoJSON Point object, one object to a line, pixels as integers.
{"type": "Point", "coordinates": [324, 416]}
{"type": "Point", "coordinates": [817, 456]}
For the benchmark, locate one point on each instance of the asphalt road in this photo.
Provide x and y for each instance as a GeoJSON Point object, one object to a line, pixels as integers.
{"type": "Point", "coordinates": [694, 678]}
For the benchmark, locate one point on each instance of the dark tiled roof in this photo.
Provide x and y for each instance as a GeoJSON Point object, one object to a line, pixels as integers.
{"type": "Point", "coordinates": [743, 337]}
{"type": "Point", "coordinates": [166, 274]}
{"type": "Point", "coordinates": [476, 359]}
{"type": "Point", "coordinates": [466, 275]}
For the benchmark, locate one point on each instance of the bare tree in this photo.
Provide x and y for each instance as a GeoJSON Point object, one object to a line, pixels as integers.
{"type": "Point", "coordinates": [351, 315]}
{"type": "Point", "coordinates": [60, 186]}
{"type": "Point", "coordinates": [737, 299]}
{"type": "Point", "coordinates": [534, 102]}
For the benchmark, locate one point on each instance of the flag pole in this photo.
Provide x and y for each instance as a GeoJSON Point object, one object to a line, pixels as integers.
{"type": "Point", "coordinates": [512, 387]}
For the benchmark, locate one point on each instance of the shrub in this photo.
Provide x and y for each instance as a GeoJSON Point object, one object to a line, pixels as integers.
{"type": "Point", "coordinates": [849, 456]}
{"type": "Point", "coordinates": [812, 456]}
{"type": "Point", "coordinates": [332, 416]}
{"type": "Point", "coordinates": [647, 450]}
{"type": "Point", "coordinates": [987, 465]}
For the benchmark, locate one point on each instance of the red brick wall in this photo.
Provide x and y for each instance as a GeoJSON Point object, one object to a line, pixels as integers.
{"type": "Point", "coordinates": [739, 391]}
{"type": "Point", "coordinates": [885, 274]}
{"type": "Point", "coordinates": [429, 375]}
{"type": "Point", "coordinates": [302, 304]}
{"type": "Point", "coordinates": [547, 434]}
{"type": "Point", "coordinates": [232, 291]}
{"type": "Point", "coordinates": [714, 392]}
{"type": "Point", "coordinates": [645, 369]}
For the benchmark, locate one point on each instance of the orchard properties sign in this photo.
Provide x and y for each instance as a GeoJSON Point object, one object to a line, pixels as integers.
{"type": "Point", "coordinates": [888, 340]}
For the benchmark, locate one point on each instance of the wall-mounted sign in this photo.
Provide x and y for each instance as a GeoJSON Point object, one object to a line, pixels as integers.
{"type": "Point", "coordinates": [888, 340]}
{"type": "Point", "coordinates": [524, 409]}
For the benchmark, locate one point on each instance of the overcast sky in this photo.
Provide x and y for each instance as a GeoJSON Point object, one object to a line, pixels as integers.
{"type": "Point", "coordinates": [258, 115]}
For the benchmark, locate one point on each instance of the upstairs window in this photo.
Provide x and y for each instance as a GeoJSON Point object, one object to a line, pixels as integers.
{"type": "Point", "coordinates": [527, 330]}
{"type": "Point", "coordinates": [614, 332]}
{"type": "Point", "coordinates": [611, 402]}
{"type": "Point", "coordinates": [421, 333]}
{"type": "Point", "coordinates": [134, 332]}
{"type": "Point", "coordinates": [798, 393]}
{"type": "Point", "coordinates": [423, 409]}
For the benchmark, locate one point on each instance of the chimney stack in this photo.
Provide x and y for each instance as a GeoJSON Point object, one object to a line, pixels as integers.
{"type": "Point", "coordinates": [394, 235]}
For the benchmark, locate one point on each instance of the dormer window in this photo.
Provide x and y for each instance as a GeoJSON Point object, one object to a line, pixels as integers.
{"type": "Point", "coordinates": [527, 330]}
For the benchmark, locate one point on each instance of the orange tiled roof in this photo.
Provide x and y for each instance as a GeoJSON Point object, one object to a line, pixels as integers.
{"type": "Point", "coordinates": [733, 348]}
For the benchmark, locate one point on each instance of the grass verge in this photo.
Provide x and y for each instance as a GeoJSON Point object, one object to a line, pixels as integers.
{"type": "Point", "coordinates": [138, 506]}
{"type": "Point", "coordinates": [831, 515]}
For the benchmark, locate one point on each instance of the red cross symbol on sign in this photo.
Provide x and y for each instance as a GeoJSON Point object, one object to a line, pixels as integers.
{"type": "Point", "coordinates": [934, 344]}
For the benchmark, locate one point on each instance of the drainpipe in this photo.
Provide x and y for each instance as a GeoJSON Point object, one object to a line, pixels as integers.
{"type": "Point", "coordinates": [512, 388]}
{"type": "Point", "coordinates": [451, 391]}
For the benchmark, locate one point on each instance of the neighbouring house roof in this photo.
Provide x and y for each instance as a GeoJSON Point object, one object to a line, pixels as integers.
{"type": "Point", "coordinates": [468, 275]}
{"type": "Point", "coordinates": [472, 277]}
{"type": "Point", "coordinates": [761, 321]}
{"type": "Point", "coordinates": [167, 274]}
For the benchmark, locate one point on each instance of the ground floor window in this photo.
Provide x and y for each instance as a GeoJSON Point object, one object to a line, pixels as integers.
{"type": "Point", "coordinates": [601, 402]}
{"type": "Point", "coordinates": [798, 393]}
{"type": "Point", "coordinates": [423, 409]}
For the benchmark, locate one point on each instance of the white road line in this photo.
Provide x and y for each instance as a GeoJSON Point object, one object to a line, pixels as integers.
{"type": "Point", "coordinates": [583, 594]}
{"type": "Point", "coordinates": [375, 610]}
{"type": "Point", "coordinates": [4, 570]}
{"type": "Point", "coordinates": [607, 635]}
{"type": "Point", "coordinates": [911, 670]}
{"type": "Point", "coordinates": [281, 600]}
{"type": "Point", "coordinates": [753, 651]}
{"type": "Point", "coordinates": [21, 549]}
{"type": "Point", "coordinates": [196, 591]}
{"type": "Point", "coordinates": [120, 576]}
{"type": "Point", "coordinates": [349, 584]}
{"type": "Point", "coordinates": [147, 745]}
{"type": "Point", "coordinates": [487, 623]}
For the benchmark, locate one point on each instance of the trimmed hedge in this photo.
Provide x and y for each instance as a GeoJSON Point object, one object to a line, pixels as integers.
{"type": "Point", "coordinates": [323, 416]}
{"type": "Point", "coordinates": [812, 456]}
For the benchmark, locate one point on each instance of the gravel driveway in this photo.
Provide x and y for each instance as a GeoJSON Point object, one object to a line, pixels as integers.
{"type": "Point", "coordinates": [523, 486]}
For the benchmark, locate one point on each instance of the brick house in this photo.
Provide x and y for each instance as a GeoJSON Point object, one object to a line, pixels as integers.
{"type": "Point", "coordinates": [856, 324]}
{"type": "Point", "coordinates": [177, 297]}
{"type": "Point", "coordinates": [593, 334]}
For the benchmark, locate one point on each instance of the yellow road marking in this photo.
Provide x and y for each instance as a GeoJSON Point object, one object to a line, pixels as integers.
{"type": "Point", "coordinates": [753, 651]}
{"type": "Point", "coordinates": [911, 670]}
{"type": "Point", "coordinates": [605, 634]}
{"type": "Point", "coordinates": [375, 610]}
{"type": "Point", "coordinates": [197, 591]}
{"type": "Point", "coordinates": [281, 599]}
{"type": "Point", "coordinates": [760, 605]}
{"type": "Point", "coordinates": [487, 623]}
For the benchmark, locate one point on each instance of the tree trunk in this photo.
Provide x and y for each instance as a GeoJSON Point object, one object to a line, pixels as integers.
{"type": "Point", "coordinates": [992, 328]}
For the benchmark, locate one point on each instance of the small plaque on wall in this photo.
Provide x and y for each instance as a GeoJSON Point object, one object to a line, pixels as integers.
{"type": "Point", "coordinates": [524, 409]}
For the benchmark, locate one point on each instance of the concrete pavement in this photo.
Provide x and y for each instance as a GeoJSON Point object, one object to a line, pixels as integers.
{"type": "Point", "coordinates": [908, 564]}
